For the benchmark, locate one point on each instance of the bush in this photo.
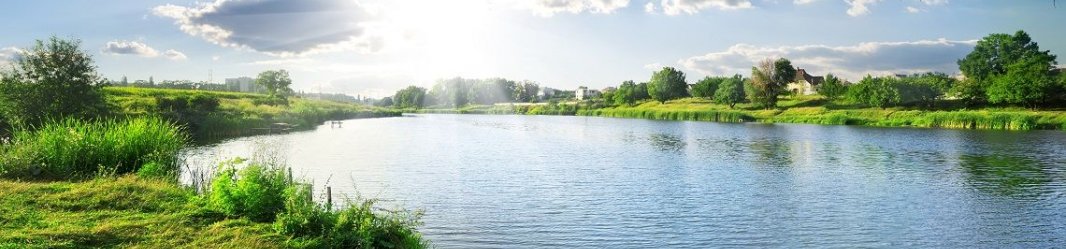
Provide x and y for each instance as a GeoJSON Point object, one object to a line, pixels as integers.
{"type": "Point", "coordinates": [72, 148]}
{"type": "Point", "coordinates": [255, 192]}
{"type": "Point", "coordinates": [262, 192]}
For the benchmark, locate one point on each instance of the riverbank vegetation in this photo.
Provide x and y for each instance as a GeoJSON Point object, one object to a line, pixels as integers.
{"type": "Point", "coordinates": [85, 165]}
{"type": "Point", "coordinates": [1007, 83]}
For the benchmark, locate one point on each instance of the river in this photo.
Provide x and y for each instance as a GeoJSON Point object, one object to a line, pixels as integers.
{"type": "Point", "coordinates": [502, 181]}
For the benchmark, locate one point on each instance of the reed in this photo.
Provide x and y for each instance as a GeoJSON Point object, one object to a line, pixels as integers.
{"type": "Point", "coordinates": [72, 149]}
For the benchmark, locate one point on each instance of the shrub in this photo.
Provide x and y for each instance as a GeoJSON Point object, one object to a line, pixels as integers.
{"type": "Point", "coordinates": [262, 192]}
{"type": "Point", "coordinates": [255, 192]}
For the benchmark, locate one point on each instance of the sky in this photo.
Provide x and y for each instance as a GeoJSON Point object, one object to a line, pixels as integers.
{"type": "Point", "coordinates": [374, 47]}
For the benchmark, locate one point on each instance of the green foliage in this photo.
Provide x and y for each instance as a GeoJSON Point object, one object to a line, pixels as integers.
{"type": "Point", "coordinates": [706, 87]}
{"type": "Point", "coordinates": [1028, 82]}
{"type": "Point", "coordinates": [629, 93]}
{"type": "Point", "coordinates": [730, 91]}
{"type": "Point", "coordinates": [526, 91]}
{"type": "Point", "coordinates": [410, 97]}
{"type": "Point", "coordinates": [262, 192]}
{"type": "Point", "coordinates": [995, 57]}
{"type": "Point", "coordinates": [276, 83]}
{"type": "Point", "coordinates": [924, 89]}
{"type": "Point", "coordinates": [832, 88]}
{"type": "Point", "coordinates": [189, 110]}
{"type": "Point", "coordinates": [255, 192]}
{"type": "Point", "coordinates": [769, 79]}
{"type": "Point", "coordinates": [875, 91]}
{"type": "Point", "coordinates": [71, 149]}
{"type": "Point", "coordinates": [459, 92]}
{"type": "Point", "coordinates": [52, 80]}
{"type": "Point", "coordinates": [667, 84]}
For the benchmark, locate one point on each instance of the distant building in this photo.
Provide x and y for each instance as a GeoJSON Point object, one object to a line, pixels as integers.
{"type": "Point", "coordinates": [583, 93]}
{"type": "Point", "coordinates": [242, 84]}
{"type": "Point", "coordinates": [805, 84]}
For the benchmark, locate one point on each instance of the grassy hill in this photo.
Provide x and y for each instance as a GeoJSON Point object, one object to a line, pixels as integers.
{"type": "Point", "coordinates": [211, 113]}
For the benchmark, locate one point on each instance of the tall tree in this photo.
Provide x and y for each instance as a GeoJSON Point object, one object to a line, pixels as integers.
{"type": "Point", "coordinates": [410, 97]}
{"type": "Point", "coordinates": [54, 79]}
{"type": "Point", "coordinates": [994, 56]}
{"type": "Point", "coordinates": [706, 87]}
{"type": "Point", "coordinates": [769, 79]}
{"type": "Point", "coordinates": [832, 88]}
{"type": "Point", "coordinates": [667, 84]}
{"type": "Point", "coordinates": [730, 91]}
{"type": "Point", "coordinates": [276, 83]}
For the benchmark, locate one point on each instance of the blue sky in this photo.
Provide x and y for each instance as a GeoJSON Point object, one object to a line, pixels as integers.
{"type": "Point", "coordinates": [373, 47]}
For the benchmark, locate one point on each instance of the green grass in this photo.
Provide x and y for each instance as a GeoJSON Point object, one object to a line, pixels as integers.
{"type": "Point", "coordinates": [137, 212]}
{"type": "Point", "coordinates": [73, 149]}
{"type": "Point", "coordinates": [237, 114]}
{"type": "Point", "coordinates": [123, 212]}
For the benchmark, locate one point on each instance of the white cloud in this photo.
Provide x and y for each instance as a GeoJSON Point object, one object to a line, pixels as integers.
{"type": "Point", "coordinates": [139, 49]}
{"type": "Point", "coordinates": [934, 2]}
{"type": "Point", "coordinates": [653, 66]}
{"type": "Point", "coordinates": [649, 7]}
{"type": "Point", "coordinates": [129, 48]}
{"type": "Point", "coordinates": [859, 7]}
{"type": "Point", "coordinates": [801, 2]}
{"type": "Point", "coordinates": [549, 8]}
{"type": "Point", "coordinates": [912, 9]}
{"type": "Point", "coordinates": [677, 7]}
{"type": "Point", "coordinates": [174, 55]}
{"type": "Point", "coordinates": [9, 55]}
{"type": "Point", "coordinates": [850, 62]}
{"type": "Point", "coordinates": [278, 27]}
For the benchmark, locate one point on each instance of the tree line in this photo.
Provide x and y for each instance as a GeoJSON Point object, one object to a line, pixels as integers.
{"type": "Point", "coordinates": [1003, 70]}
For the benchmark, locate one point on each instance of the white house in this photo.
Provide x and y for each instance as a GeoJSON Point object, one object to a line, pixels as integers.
{"type": "Point", "coordinates": [805, 84]}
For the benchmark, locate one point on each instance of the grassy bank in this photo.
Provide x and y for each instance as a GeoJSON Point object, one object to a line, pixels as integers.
{"type": "Point", "coordinates": [136, 212]}
{"type": "Point", "coordinates": [805, 110]}
{"type": "Point", "coordinates": [811, 111]}
{"type": "Point", "coordinates": [113, 183]}
{"type": "Point", "coordinates": [227, 114]}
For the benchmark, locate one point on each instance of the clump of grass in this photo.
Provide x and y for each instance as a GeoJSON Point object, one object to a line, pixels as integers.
{"type": "Point", "coordinates": [263, 192]}
{"type": "Point", "coordinates": [71, 149]}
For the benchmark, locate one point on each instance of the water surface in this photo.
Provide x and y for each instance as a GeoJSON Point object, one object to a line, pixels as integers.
{"type": "Point", "coordinates": [564, 182]}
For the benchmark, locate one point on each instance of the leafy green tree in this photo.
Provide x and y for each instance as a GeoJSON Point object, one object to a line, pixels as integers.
{"type": "Point", "coordinates": [667, 84]}
{"type": "Point", "coordinates": [730, 91]}
{"type": "Point", "coordinates": [1027, 82]}
{"type": "Point", "coordinates": [993, 56]}
{"type": "Point", "coordinates": [924, 89]}
{"type": "Point", "coordinates": [54, 79]}
{"type": "Point", "coordinates": [706, 87]}
{"type": "Point", "coordinates": [276, 83]}
{"type": "Point", "coordinates": [626, 93]}
{"type": "Point", "coordinates": [769, 79]}
{"type": "Point", "coordinates": [641, 91]}
{"type": "Point", "coordinates": [875, 91]}
{"type": "Point", "coordinates": [526, 91]}
{"type": "Point", "coordinates": [410, 97]}
{"type": "Point", "coordinates": [832, 88]}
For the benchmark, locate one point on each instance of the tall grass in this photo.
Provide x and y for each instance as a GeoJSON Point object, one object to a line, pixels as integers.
{"type": "Point", "coordinates": [71, 148]}
{"type": "Point", "coordinates": [261, 191]}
